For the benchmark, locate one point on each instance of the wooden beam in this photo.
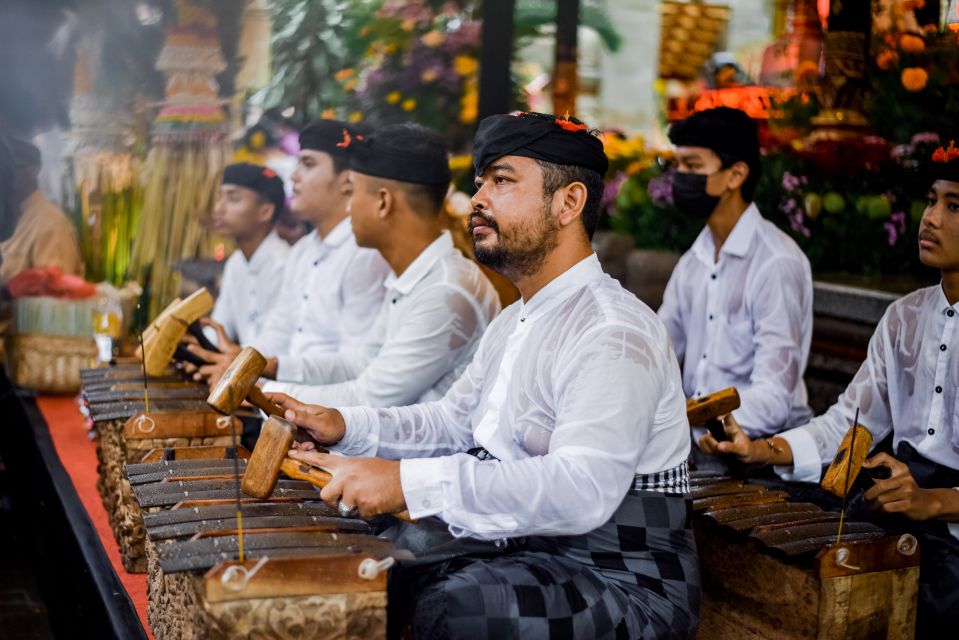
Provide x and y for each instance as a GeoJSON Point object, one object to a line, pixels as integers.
{"type": "Point", "coordinates": [565, 72]}
{"type": "Point", "coordinates": [496, 51]}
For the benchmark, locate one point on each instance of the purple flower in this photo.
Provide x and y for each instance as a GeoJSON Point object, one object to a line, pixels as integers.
{"type": "Point", "coordinates": [660, 189]}
{"type": "Point", "coordinates": [892, 234]}
{"type": "Point", "coordinates": [925, 137]}
{"type": "Point", "coordinates": [898, 218]}
{"type": "Point", "coordinates": [791, 182]}
{"type": "Point", "coordinates": [611, 190]}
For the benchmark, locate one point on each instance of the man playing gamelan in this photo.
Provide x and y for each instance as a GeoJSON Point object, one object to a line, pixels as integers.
{"type": "Point", "coordinates": [437, 302]}
{"type": "Point", "coordinates": [908, 387]}
{"type": "Point", "coordinates": [565, 440]}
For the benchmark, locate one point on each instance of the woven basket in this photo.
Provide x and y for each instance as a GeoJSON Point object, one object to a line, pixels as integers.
{"type": "Point", "coordinates": [48, 364]}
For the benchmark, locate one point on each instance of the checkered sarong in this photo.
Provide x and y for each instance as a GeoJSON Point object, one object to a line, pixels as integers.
{"type": "Point", "coordinates": [634, 577]}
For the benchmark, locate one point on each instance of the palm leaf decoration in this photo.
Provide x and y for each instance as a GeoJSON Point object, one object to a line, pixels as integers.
{"type": "Point", "coordinates": [532, 15]}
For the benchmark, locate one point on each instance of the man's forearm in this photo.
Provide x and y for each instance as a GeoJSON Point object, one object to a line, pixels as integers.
{"type": "Point", "coordinates": [945, 504]}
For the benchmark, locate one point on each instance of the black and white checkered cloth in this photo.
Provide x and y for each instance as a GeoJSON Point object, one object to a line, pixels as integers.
{"type": "Point", "coordinates": [634, 577]}
{"type": "Point", "coordinates": [675, 480]}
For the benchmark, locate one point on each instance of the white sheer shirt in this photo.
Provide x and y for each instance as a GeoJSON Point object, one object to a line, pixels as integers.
{"type": "Point", "coordinates": [427, 330]}
{"type": "Point", "coordinates": [249, 289]}
{"type": "Point", "coordinates": [331, 292]}
{"type": "Point", "coordinates": [908, 384]}
{"type": "Point", "coordinates": [744, 321]}
{"type": "Point", "coordinates": [575, 392]}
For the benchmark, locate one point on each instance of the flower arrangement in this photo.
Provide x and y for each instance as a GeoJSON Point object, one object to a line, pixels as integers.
{"type": "Point", "coordinates": [914, 76]}
{"type": "Point", "coordinates": [417, 59]}
{"type": "Point", "coordinates": [849, 218]}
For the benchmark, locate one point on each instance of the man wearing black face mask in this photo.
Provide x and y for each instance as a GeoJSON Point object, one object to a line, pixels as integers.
{"type": "Point", "coordinates": [738, 307]}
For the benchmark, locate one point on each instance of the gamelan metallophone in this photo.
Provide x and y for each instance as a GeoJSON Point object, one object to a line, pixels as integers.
{"type": "Point", "coordinates": [307, 571]}
{"type": "Point", "coordinates": [113, 399]}
{"type": "Point", "coordinates": [772, 568]}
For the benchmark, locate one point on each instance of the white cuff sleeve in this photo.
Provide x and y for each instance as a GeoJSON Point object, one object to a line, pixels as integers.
{"type": "Point", "coordinates": [289, 368]}
{"type": "Point", "coordinates": [807, 465]}
{"type": "Point", "coordinates": [361, 439]}
{"type": "Point", "coordinates": [272, 386]}
{"type": "Point", "coordinates": [420, 479]}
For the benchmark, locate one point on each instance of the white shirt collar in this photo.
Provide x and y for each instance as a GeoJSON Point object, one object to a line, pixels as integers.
{"type": "Point", "coordinates": [338, 234]}
{"type": "Point", "coordinates": [561, 287]}
{"type": "Point", "coordinates": [737, 244]}
{"type": "Point", "coordinates": [263, 254]}
{"type": "Point", "coordinates": [422, 265]}
{"type": "Point", "coordinates": [942, 303]}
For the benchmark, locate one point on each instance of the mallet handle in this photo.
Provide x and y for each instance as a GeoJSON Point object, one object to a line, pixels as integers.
{"type": "Point", "coordinates": [319, 478]}
{"type": "Point", "coordinates": [257, 398]}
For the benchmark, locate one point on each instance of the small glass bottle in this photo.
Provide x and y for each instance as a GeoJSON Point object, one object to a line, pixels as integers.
{"type": "Point", "coordinates": [107, 320]}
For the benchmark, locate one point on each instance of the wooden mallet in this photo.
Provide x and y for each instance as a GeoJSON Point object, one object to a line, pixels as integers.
{"type": "Point", "coordinates": [239, 383]}
{"type": "Point", "coordinates": [158, 350]}
{"type": "Point", "coordinates": [847, 463]}
{"type": "Point", "coordinates": [269, 459]}
{"type": "Point", "coordinates": [706, 410]}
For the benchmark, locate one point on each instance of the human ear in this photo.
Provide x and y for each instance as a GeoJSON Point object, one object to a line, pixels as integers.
{"type": "Point", "coordinates": [384, 203]}
{"type": "Point", "coordinates": [738, 173]}
{"type": "Point", "coordinates": [574, 196]}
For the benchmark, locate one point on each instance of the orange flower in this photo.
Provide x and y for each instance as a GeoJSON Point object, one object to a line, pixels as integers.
{"type": "Point", "coordinates": [344, 74]}
{"type": "Point", "coordinates": [914, 78]}
{"type": "Point", "coordinates": [887, 59]}
{"type": "Point", "coordinates": [946, 155]}
{"type": "Point", "coordinates": [328, 114]}
{"type": "Point", "coordinates": [911, 44]}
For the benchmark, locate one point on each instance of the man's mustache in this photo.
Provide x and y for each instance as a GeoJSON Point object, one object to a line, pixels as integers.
{"type": "Point", "coordinates": [926, 234]}
{"type": "Point", "coordinates": [480, 219]}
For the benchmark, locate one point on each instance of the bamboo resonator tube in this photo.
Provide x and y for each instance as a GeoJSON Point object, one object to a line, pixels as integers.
{"type": "Point", "coordinates": [239, 383]}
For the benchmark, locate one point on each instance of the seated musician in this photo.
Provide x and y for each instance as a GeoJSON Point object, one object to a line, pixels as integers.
{"type": "Point", "coordinates": [908, 386]}
{"type": "Point", "coordinates": [331, 288]}
{"type": "Point", "coordinates": [250, 201]}
{"type": "Point", "coordinates": [437, 304]}
{"type": "Point", "coordinates": [738, 306]}
{"type": "Point", "coordinates": [565, 440]}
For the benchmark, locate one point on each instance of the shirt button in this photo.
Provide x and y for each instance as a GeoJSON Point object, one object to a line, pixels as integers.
{"type": "Point", "coordinates": [938, 389]}
{"type": "Point", "coordinates": [950, 313]}
{"type": "Point", "coordinates": [713, 276]}
{"type": "Point", "coordinates": [942, 347]}
{"type": "Point", "coordinates": [426, 502]}
{"type": "Point", "coordinates": [316, 263]}
{"type": "Point", "coordinates": [299, 329]}
{"type": "Point", "coordinates": [394, 300]}
{"type": "Point", "coordinates": [710, 316]}
{"type": "Point", "coordinates": [305, 296]}
{"type": "Point", "coordinates": [931, 431]}
{"type": "Point", "coordinates": [704, 356]}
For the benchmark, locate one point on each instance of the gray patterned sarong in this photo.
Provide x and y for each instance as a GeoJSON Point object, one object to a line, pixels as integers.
{"type": "Point", "coordinates": [636, 576]}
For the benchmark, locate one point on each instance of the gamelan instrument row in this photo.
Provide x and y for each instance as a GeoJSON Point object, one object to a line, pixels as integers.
{"type": "Point", "coordinates": [776, 568]}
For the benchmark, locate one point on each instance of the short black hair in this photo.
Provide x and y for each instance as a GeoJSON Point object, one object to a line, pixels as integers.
{"type": "Point", "coordinates": [340, 162]}
{"type": "Point", "coordinates": [417, 140]}
{"type": "Point", "coordinates": [560, 175]}
{"type": "Point", "coordinates": [277, 209]}
{"type": "Point", "coordinates": [729, 133]}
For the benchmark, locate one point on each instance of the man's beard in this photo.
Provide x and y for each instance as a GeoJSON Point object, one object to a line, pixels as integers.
{"type": "Point", "coordinates": [521, 250]}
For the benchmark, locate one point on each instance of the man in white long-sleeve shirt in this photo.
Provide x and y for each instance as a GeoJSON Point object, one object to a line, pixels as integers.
{"type": "Point", "coordinates": [909, 387]}
{"type": "Point", "coordinates": [565, 440]}
{"type": "Point", "coordinates": [331, 288]}
{"type": "Point", "coordinates": [250, 202]}
{"type": "Point", "coordinates": [738, 306]}
{"type": "Point", "coordinates": [437, 302]}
